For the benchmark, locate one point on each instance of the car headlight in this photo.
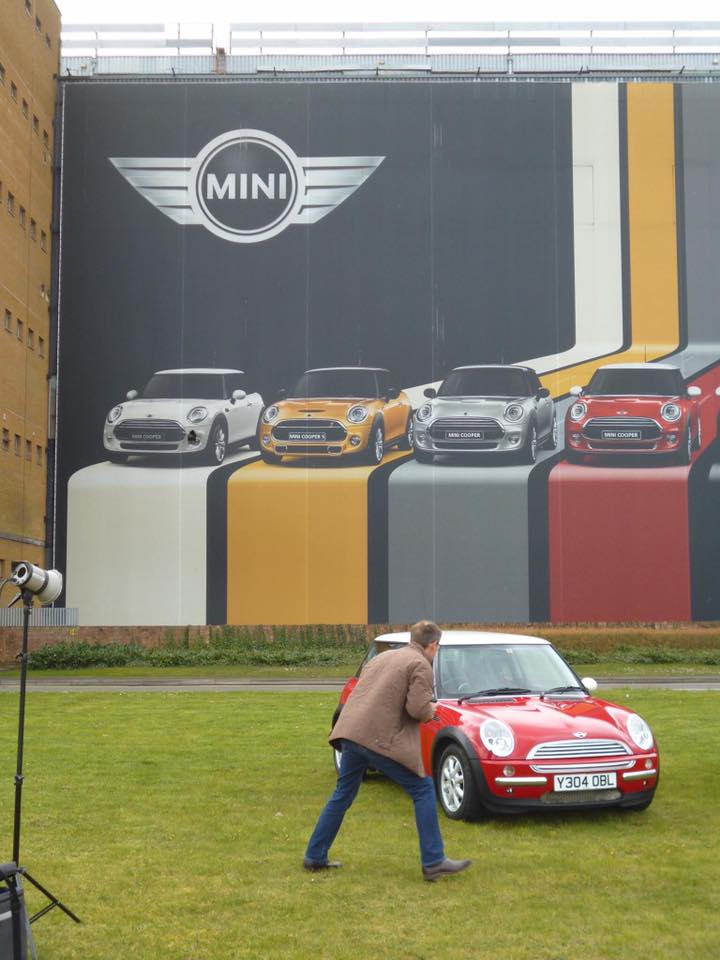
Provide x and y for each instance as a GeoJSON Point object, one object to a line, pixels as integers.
{"type": "Point", "coordinates": [639, 731]}
{"type": "Point", "coordinates": [271, 414]}
{"type": "Point", "coordinates": [514, 412]}
{"type": "Point", "coordinates": [114, 414]}
{"type": "Point", "coordinates": [357, 414]}
{"type": "Point", "coordinates": [578, 411]}
{"type": "Point", "coordinates": [197, 414]}
{"type": "Point", "coordinates": [498, 737]}
{"type": "Point", "coordinates": [425, 412]}
{"type": "Point", "coordinates": [671, 412]}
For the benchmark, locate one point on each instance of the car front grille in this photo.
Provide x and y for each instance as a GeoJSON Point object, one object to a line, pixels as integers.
{"type": "Point", "coordinates": [148, 432]}
{"type": "Point", "coordinates": [560, 798]}
{"type": "Point", "coordinates": [578, 749]}
{"type": "Point", "coordinates": [309, 431]}
{"type": "Point", "coordinates": [641, 428]}
{"type": "Point", "coordinates": [469, 433]}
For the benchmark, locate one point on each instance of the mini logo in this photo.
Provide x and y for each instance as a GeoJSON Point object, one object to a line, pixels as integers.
{"type": "Point", "coordinates": [246, 185]}
{"type": "Point", "coordinates": [622, 413]}
{"type": "Point", "coordinates": [580, 734]}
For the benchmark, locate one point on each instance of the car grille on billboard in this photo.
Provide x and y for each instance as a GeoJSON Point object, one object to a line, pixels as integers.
{"type": "Point", "coordinates": [309, 431]}
{"type": "Point", "coordinates": [649, 429]}
{"type": "Point", "coordinates": [470, 433]}
{"type": "Point", "coordinates": [577, 749]}
{"type": "Point", "coordinates": [149, 431]}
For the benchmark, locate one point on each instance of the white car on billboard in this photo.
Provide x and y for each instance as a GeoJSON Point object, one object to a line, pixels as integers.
{"type": "Point", "coordinates": [198, 411]}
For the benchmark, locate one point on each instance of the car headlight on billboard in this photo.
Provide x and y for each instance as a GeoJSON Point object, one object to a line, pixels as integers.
{"type": "Point", "coordinates": [271, 414]}
{"type": "Point", "coordinates": [578, 411]}
{"type": "Point", "coordinates": [357, 414]}
{"type": "Point", "coordinates": [425, 412]}
{"type": "Point", "coordinates": [114, 414]}
{"type": "Point", "coordinates": [197, 414]}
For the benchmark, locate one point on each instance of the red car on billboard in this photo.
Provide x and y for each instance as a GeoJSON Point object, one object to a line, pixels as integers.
{"type": "Point", "coordinates": [638, 408]}
{"type": "Point", "coordinates": [516, 730]}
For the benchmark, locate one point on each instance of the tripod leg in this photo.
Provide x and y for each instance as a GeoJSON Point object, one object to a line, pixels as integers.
{"type": "Point", "coordinates": [54, 902]}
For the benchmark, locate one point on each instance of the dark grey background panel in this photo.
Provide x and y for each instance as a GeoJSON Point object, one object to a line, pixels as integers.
{"type": "Point", "coordinates": [699, 224]}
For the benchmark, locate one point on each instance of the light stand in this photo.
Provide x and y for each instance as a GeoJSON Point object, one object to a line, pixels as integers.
{"type": "Point", "coordinates": [46, 585]}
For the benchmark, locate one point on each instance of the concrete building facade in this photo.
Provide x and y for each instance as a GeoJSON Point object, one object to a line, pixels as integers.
{"type": "Point", "coordinates": [29, 58]}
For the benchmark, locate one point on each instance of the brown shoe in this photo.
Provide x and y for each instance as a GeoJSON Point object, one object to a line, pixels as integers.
{"type": "Point", "coordinates": [444, 868]}
{"type": "Point", "coordinates": [317, 865]}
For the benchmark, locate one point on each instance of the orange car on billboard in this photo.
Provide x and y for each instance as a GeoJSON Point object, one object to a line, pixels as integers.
{"type": "Point", "coordinates": [336, 411]}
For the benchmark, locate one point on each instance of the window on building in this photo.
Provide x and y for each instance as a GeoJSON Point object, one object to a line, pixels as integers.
{"type": "Point", "coordinates": [48, 41]}
{"type": "Point", "coordinates": [33, 228]}
{"type": "Point", "coordinates": [2, 569]}
{"type": "Point", "coordinates": [21, 217]}
{"type": "Point", "coordinates": [46, 138]}
{"type": "Point", "coordinates": [11, 203]}
{"type": "Point", "coordinates": [31, 338]}
{"type": "Point", "coordinates": [2, 73]}
{"type": "Point", "coordinates": [19, 329]}
{"type": "Point", "coordinates": [25, 108]}
{"type": "Point", "coordinates": [36, 126]}
{"type": "Point", "coordinates": [13, 90]}
{"type": "Point", "coordinates": [38, 24]}
{"type": "Point", "coordinates": [41, 346]}
{"type": "Point", "coordinates": [8, 320]}
{"type": "Point", "coordinates": [38, 453]}
{"type": "Point", "coordinates": [43, 240]}
{"type": "Point", "coordinates": [6, 440]}
{"type": "Point", "coordinates": [28, 450]}
{"type": "Point", "coordinates": [17, 445]}
{"type": "Point", "coordinates": [28, 7]}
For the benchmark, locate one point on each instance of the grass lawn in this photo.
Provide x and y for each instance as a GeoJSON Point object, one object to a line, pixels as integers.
{"type": "Point", "coordinates": [174, 825]}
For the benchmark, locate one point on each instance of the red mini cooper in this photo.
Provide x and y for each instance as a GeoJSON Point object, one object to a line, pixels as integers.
{"type": "Point", "coordinates": [634, 408]}
{"type": "Point", "coordinates": [516, 730]}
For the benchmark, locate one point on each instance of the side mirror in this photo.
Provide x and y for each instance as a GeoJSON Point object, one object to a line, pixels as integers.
{"type": "Point", "coordinates": [589, 684]}
{"type": "Point", "coordinates": [575, 391]}
{"type": "Point", "coordinates": [543, 392]}
{"type": "Point", "coordinates": [131, 394]}
{"type": "Point", "coordinates": [431, 392]}
{"type": "Point", "coordinates": [238, 395]}
{"type": "Point", "coordinates": [393, 393]}
{"type": "Point", "coordinates": [694, 391]}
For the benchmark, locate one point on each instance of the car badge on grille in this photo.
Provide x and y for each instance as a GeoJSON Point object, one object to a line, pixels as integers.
{"type": "Point", "coordinates": [622, 413]}
{"type": "Point", "coordinates": [580, 734]}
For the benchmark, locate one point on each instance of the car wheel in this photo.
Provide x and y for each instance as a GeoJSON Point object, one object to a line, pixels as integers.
{"type": "Point", "coordinates": [406, 441]}
{"type": "Point", "coordinates": [217, 443]}
{"type": "Point", "coordinates": [552, 438]}
{"type": "Point", "coordinates": [686, 452]}
{"type": "Point", "coordinates": [376, 444]}
{"type": "Point", "coordinates": [117, 457]}
{"type": "Point", "coordinates": [529, 454]}
{"type": "Point", "coordinates": [422, 457]}
{"type": "Point", "coordinates": [269, 457]}
{"type": "Point", "coordinates": [456, 787]}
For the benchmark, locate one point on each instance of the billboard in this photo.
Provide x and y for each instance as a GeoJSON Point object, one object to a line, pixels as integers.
{"type": "Point", "coordinates": [265, 289]}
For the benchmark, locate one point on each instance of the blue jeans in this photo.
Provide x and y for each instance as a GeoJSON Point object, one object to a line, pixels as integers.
{"type": "Point", "coordinates": [355, 761]}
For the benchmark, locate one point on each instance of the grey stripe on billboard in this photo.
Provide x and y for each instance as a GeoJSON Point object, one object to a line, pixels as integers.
{"type": "Point", "coordinates": [460, 536]}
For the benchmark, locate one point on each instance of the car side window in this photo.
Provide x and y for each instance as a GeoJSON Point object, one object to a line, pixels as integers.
{"type": "Point", "coordinates": [534, 383]}
{"type": "Point", "coordinates": [383, 382]}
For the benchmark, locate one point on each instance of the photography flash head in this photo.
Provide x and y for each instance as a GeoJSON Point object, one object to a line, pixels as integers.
{"type": "Point", "coordinates": [45, 584]}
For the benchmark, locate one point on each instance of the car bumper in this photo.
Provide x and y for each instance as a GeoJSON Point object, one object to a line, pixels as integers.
{"type": "Point", "coordinates": [511, 439]}
{"type": "Point", "coordinates": [670, 442]}
{"type": "Point", "coordinates": [354, 441]}
{"type": "Point", "coordinates": [192, 441]}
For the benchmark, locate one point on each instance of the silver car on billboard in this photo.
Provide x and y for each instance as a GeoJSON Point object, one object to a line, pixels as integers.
{"type": "Point", "coordinates": [488, 408]}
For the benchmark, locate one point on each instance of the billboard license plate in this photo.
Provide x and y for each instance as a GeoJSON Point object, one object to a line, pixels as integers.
{"type": "Point", "coordinates": [565, 782]}
{"type": "Point", "coordinates": [144, 437]}
{"type": "Point", "coordinates": [622, 435]}
{"type": "Point", "coordinates": [464, 435]}
{"type": "Point", "coordinates": [305, 436]}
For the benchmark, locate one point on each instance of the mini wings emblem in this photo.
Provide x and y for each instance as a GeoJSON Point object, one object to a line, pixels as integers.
{"type": "Point", "coordinates": [246, 185]}
{"type": "Point", "coordinates": [580, 734]}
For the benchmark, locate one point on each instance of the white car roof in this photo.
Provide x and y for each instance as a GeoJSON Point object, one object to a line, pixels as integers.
{"type": "Point", "coordinates": [199, 370]}
{"type": "Point", "coordinates": [466, 637]}
{"type": "Point", "coordinates": [365, 369]}
{"type": "Point", "coordinates": [638, 366]}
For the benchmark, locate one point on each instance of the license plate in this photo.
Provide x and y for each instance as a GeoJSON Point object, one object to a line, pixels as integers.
{"type": "Point", "coordinates": [302, 436]}
{"type": "Point", "coordinates": [585, 781]}
{"type": "Point", "coordinates": [622, 435]}
{"type": "Point", "coordinates": [146, 436]}
{"type": "Point", "coordinates": [464, 435]}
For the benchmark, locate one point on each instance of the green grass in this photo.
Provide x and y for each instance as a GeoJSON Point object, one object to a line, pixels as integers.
{"type": "Point", "coordinates": [174, 825]}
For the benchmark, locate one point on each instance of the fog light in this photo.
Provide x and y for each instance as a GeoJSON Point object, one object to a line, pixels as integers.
{"type": "Point", "coordinates": [266, 440]}
{"type": "Point", "coordinates": [421, 436]}
{"type": "Point", "coordinates": [575, 437]}
{"type": "Point", "coordinates": [648, 764]}
{"type": "Point", "coordinates": [671, 437]}
{"type": "Point", "coordinates": [355, 441]}
{"type": "Point", "coordinates": [508, 770]}
{"type": "Point", "coordinates": [513, 439]}
{"type": "Point", "coordinates": [192, 437]}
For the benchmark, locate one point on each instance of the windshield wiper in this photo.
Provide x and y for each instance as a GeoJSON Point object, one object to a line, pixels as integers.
{"type": "Point", "coordinates": [493, 691]}
{"type": "Point", "coordinates": [565, 689]}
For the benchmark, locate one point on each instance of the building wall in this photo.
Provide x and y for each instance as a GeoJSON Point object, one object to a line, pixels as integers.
{"type": "Point", "coordinates": [29, 57]}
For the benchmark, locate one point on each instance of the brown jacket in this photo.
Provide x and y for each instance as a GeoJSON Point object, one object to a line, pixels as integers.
{"type": "Point", "coordinates": [384, 711]}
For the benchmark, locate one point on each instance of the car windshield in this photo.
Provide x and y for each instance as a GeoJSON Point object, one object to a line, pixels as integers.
{"type": "Point", "coordinates": [486, 382]}
{"type": "Point", "coordinates": [464, 670]}
{"type": "Point", "coordinates": [317, 384]}
{"type": "Point", "coordinates": [639, 382]}
{"type": "Point", "coordinates": [184, 386]}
